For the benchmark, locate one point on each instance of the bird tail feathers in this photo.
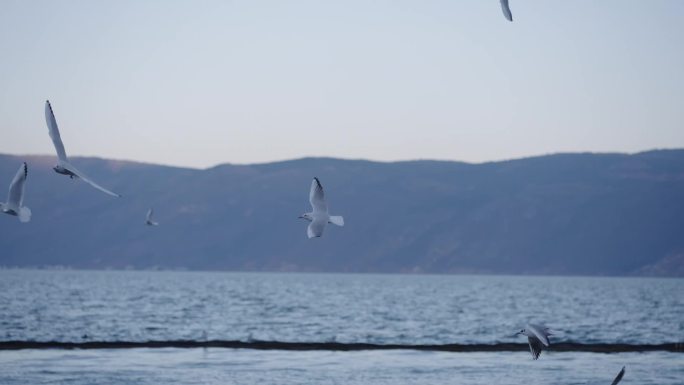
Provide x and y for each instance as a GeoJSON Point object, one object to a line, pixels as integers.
{"type": "Point", "coordinates": [24, 214]}
{"type": "Point", "coordinates": [337, 220]}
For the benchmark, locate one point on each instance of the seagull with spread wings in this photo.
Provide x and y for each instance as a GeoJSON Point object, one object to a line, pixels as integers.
{"type": "Point", "coordinates": [63, 166]}
{"type": "Point", "coordinates": [538, 337]}
{"type": "Point", "coordinates": [15, 198]}
{"type": "Point", "coordinates": [319, 217]}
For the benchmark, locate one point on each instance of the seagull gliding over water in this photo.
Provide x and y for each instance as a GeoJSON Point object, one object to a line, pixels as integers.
{"type": "Point", "coordinates": [15, 198]}
{"type": "Point", "coordinates": [319, 217]}
{"type": "Point", "coordinates": [63, 166]}
{"type": "Point", "coordinates": [537, 336]}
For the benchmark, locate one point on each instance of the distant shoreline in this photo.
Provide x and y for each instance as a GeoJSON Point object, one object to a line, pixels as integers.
{"type": "Point", "coordinates": [59, 268]}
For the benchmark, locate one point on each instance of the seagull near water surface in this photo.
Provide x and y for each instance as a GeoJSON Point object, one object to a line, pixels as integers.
{"type": "Point", "coordinates": [538, 337]}
{"type": "Point", "coordinates": [63, 166]}
{"type": "Point", "coordinates": [15, 198]}
{"type": "Point", "coordinates": [319, 217]}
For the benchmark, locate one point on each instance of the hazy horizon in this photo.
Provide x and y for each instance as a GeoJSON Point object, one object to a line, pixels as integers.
{"type": "Point", "coordinates": [353, 159]}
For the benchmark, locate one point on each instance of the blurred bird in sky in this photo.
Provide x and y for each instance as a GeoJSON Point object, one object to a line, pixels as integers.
{"type": "Point", "coordinates": [319, 217]}
{"type": "Point", "coordinates": [15, 198]}
{"type": "Point", "coordinates": [63, 166]}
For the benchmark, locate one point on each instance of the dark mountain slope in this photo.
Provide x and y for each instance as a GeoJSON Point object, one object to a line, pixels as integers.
{"type": "Point", "coordinates": [591, 214]}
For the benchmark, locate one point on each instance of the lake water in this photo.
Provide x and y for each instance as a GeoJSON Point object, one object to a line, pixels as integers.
{"type": "Point", "coordinates": [79, 306]}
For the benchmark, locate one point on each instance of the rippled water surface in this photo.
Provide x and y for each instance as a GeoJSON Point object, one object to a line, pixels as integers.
{"type": "Point", "coordinates": [406, 309]}
{"type": "Point", "coordinates": [79, 306]}
{"type": "Point", "coordinates": [229, 366]}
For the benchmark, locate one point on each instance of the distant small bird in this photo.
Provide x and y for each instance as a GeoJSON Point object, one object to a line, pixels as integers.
{"type": "Point", "coordinates": [63, 166]}
{"type": "Point", "coordinates": [537, 336]}
{"type": "Point", "coordinates": [506, 10]}
{"type": "Point", "coordinates": [148, 220]}
{"type": "Point", "coordinates": [619, 376]}
{"type": "Point", "coordinates": [319, 217]}
{"type": "Point", "coordinates": [15, 198]}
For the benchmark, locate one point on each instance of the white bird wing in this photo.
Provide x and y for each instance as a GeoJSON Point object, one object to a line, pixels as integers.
{"type": "Point", "coordinates": [619, 376]}
{"type": "Point", "coordinates": [540, 333]}
{"type": "Point", "coordinates": [16, 189]}
{"type": "Point", "coordinates": [316, 228]}
{"type": "Point", "coordinates": [317, 197]}
{"type": "Point", "coordinates": [506, 10]}
{"type": "Point", "coordinates": [54, 132]}
{"type": "Point", "coordinates": [149, 215]}
{"type": "Point", "coordinates": [337, 220]}
{"type": "Point", "coordinates": [88, 180]}
{"type": "Point", "coordinates": [535, 347]}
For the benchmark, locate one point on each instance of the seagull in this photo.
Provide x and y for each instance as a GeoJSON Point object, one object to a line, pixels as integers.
{"type": "Point", "coordinates": [619, 376]}
{"type": "Point", "coordinates": [319, 217]}
{"type": "Point", "coordinates": [537, 336]}
{"type": "Point", "coordinates": [15, 198]}
{"type": "Point", "coordinates": [149, 220]}
{"type": "Point", "coordinates": [63, 166]}
{"type": "Point", "coordinates": [506, 10]}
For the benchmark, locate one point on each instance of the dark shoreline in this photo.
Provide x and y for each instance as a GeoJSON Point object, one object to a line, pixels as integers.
{"type": "Point", "coordinates": [677, 347]}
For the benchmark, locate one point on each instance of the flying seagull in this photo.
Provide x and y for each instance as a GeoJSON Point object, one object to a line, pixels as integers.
{"type": "Point", "coordinates": [15, 198]}
{"type": "Point", "coordinates": [537, 336]}
{"type": "Point", "coordinates": [319, 217]}
{"type": "Point", "coordinates": [63, 166]}
{"type": "Point", "coordinates": [149, 220]}
{"type": "Point", "coordinates": [619, 376]}
{"type": "Point", "coordinates": [506, 10]}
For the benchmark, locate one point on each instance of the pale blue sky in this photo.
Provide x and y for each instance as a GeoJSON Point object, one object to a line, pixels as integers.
{"type": "Point", "coordinates": [197, 83]}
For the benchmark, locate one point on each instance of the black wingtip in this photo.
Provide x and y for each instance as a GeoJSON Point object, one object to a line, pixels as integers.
{"type": "Point", "coordinates": [619, 376]}
{"type": "Point", "coordinates": [318, 182]}
{"type": "Point", "coordinates": [25, 169]}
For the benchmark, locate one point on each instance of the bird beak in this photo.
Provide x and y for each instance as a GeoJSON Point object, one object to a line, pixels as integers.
{"type": "Point", "coordinates": [300, 217]}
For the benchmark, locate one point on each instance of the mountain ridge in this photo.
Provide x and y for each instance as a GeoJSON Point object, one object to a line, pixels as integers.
{"type": "Point", "coordinates": [567, 213]}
